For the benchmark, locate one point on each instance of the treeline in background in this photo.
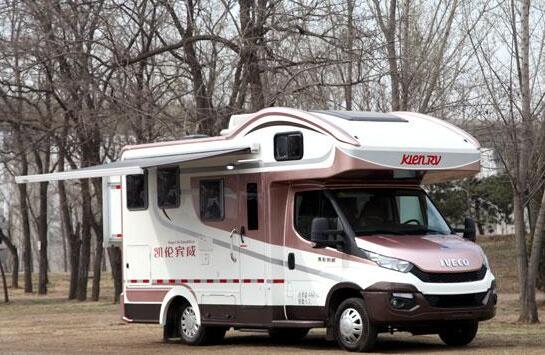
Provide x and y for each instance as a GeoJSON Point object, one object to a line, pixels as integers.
{"type": "Point", "coordinates": [81, 79]}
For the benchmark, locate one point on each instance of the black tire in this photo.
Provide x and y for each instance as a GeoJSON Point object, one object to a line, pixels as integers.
{"type": "Point", "coordinates": [288, 334]}
{"type": "Point", "coordinates": [459, 334]}
{"type": "Point", "coordinates": [192, 333]}
{"type": "Point", "coordinates": [353, 329]}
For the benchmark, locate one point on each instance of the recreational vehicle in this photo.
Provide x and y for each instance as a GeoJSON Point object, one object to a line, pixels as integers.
{"type": "Point", "coordinates": [292, 220]}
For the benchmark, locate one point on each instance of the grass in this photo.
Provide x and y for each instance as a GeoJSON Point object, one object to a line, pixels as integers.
{"type": "Point", "coordinates": [51, 324]}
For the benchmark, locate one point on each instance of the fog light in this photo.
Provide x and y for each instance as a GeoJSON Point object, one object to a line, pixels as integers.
{"type": "Point", "coordinates": [402, 300]}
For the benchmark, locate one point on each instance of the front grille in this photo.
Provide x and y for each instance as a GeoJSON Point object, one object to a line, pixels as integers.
{"type": "Point", "coordinates": [454, 301]}
{"type": "Point", "coordinates": [449, 277]}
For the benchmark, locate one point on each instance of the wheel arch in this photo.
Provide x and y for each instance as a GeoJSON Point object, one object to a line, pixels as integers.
{"type": "Point", "coordinates": [175, 293]}
{"type": "Point", "coordinates": [339, 293]}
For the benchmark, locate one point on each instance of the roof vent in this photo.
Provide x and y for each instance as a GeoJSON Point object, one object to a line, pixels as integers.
{"type": "Point", "coordinates": [363, 116]}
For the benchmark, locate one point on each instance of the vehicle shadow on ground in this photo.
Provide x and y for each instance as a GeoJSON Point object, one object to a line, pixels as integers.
{"type": "Point", "coordinates": [385, 344]}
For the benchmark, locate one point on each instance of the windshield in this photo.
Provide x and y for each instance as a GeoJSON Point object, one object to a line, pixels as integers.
{"type": "Point", "coordinates": [391, 211]}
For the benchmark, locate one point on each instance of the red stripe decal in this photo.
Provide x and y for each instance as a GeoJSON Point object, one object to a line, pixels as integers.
{"type": "Point", "coordinates": [184, 281]}
{"type": "Point", "coordinates": [235, 281]}
{"type": "Point", "coordinates": [197, 281]}
{"type": "Point", "coordinates": [260, 281]}
{"type": "Point", "coordinates": [118, 187]}
{"type": "Point", "coordinates": [159, 282]}
{"type": "Point", "coordinates": [247, 281]}
{"type": "Point", "coordinates": [223, 281]}
{"type": "Point", "coordinates": [171, 281]}
{"type": "Point", "coordinates": [209, 281]}
{"type": "Point", "coordinates": [278, 281]}
{"type": "Point", "coordinates": [133, 281]}
{"type": "Point", "coordinates": [145, 281]}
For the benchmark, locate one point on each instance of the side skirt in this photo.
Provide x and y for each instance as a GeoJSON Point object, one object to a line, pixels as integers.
{"type": "Point", "coordinates": [239, 316]}
{"type": "Point", "coordinates": [143, 312]}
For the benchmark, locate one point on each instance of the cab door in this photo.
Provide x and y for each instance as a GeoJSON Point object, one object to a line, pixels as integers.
{"type": "Point", "coordinates": [308, 270]}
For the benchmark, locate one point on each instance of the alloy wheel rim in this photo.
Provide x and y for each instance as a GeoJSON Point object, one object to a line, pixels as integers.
{"type": "Point", "coordinates": [189, 324]}
{"type": "Point", "coordinates": [351, 326]}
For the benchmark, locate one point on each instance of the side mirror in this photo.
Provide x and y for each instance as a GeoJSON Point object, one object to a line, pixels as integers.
{"type": "Point", "coordinates": [469, 230]}
{"type": "Point", "coordinates": [319, 230]}
{"type": "Point", "coordinates": [320, 233]}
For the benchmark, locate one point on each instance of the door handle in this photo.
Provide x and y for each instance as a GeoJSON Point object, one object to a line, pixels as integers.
{"type": "Point", "coordinates": [233, 257]}
{"type": "Point", "coordinates": [291, 261]}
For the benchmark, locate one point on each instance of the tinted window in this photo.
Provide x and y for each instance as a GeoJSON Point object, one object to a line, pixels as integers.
{"type": "Point", "coordinates": [251, 206]}
{"type": "Point", "coordinates": [310, 204]}
{"type": "Point", "coordinates": [137, 192]}
{"type": "Point", "coordinates": [288, 146]}
{"type": "Point", "coordinates": [211, 199]}
{"type": "Point", "coordinates": [168, 187]}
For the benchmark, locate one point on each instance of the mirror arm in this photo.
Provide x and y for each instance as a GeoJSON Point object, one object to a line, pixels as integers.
{"type": "Point", "coordinates": [349, 235]}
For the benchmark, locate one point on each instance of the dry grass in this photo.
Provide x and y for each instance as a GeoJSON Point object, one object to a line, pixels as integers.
{"type": "Point", "coordinates": [34, 324]}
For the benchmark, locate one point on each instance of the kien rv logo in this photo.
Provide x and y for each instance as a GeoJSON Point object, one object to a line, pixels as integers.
{"type": "Point", "coordinates": [450, 263]}
{"type": "Point", "coordinates": [420, 159]}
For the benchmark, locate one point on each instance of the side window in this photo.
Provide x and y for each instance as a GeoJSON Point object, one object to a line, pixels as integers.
{"type": "Point", "coordinates": [137, 192]}
{"type": "Point", "coordinates": [410, 209]}
{"type": "Point", "coordinates": [288, 146]}
{"type": "Point", "coordinates": [211, 200]}
{"type": "Point", "coordinates": [251, 206]}
{"type": "Point", "coordinates": [310, 204]}
{"type": "Point", "coordinates": [168, 187]}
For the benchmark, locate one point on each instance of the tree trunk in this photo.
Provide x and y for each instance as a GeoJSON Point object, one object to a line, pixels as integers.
{"type": "Point", "coordinates": [522, 254]}
{"type": "Point", "coordinates": [42, 233]}
{"type": "Point", "coordinates": [15, 256]}
{"type": "Point", "coordinates": [6, 296]}
{"type": "Point", "coordinates": [27, 246]}
{"type": "Point", "coordinates": [115, 257]}
{"type": "Point", "coordinates": [533, 266]}
{"type": "Point", "coordinates": [99, 248]}
{"type": "Point", "coordinates": [85, 251]}
{"type": "Point", "coordinates": [64, 251]}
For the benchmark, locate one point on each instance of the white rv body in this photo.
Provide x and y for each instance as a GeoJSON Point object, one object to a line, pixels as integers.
{"type": "Point", "coordinates": [231, 249]}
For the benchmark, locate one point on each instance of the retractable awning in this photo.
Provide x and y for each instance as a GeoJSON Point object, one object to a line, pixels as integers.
{"type": "Point", "coordinates": [128, 166]}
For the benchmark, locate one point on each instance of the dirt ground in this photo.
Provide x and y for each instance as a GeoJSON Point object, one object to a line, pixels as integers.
{"type": "Point", "coordinates": [50, 324]}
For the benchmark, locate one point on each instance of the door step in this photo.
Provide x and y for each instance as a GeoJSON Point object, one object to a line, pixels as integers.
{"type": "Point", "coordinates": [298, 324]}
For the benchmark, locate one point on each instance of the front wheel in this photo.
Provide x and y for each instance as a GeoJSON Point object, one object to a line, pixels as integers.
{"type": "Point", "coordinates": [459, 334]}
{"type": "Point", "coordinates": [194, 333]}
{"type": "Point", "coordinates": [354, 330]}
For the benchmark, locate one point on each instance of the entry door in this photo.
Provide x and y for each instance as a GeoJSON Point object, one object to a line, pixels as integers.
{"type": "Point", "coordinates": [253, 249]}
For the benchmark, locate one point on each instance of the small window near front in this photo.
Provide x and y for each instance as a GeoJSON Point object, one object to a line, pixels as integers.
{"type": "Point", "coordinates": [251, 206]}
{"type": "Point", "coordinates": [288, 146]}
{"type": "Point", "coordinates": [211, 200]}
{"type": "Point", "coordinates": [137, 192]}
{"type": "Point", "coordinates": [168, 187]}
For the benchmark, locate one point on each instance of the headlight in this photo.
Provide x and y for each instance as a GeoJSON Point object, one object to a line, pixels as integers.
{"type": "Point", "coordinates": [387, 262]}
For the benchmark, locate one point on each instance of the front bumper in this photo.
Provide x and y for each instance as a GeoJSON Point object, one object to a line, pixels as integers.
{"type": "Point", "coordinates": [382, 312]}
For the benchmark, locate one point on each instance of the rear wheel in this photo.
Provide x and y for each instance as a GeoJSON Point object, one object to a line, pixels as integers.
{"type": "Point", "coordinates": [460, 334]}
{"type": "Point", "coordinates": [353, 328]}
{"type": "Point", "coordinates": [194, 333]}
{"type": "Point", "coordinates": [288, 334]}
